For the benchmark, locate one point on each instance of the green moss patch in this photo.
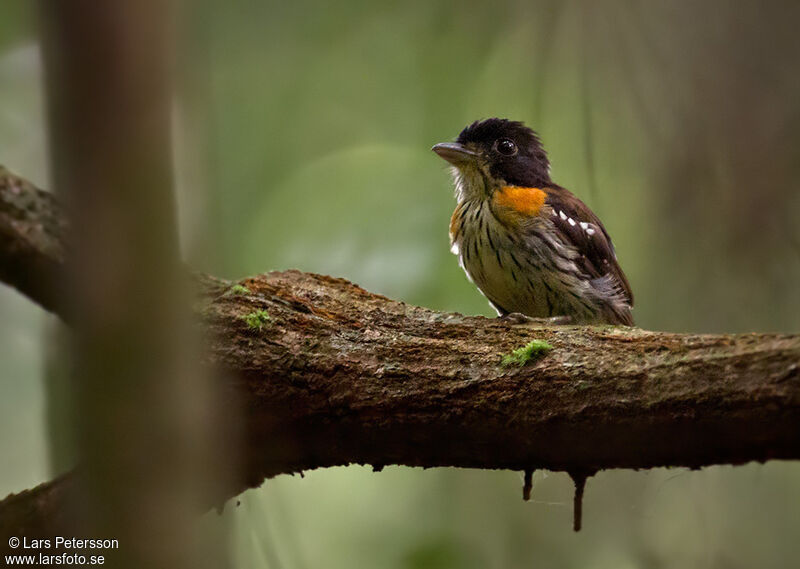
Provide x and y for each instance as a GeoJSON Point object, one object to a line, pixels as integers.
{"type": "Point", "coordinates": [256, 320]}
{"type": "Point", "coordinates": [530, 352]}
{"type": "Point", "coordinates": [238, 290]}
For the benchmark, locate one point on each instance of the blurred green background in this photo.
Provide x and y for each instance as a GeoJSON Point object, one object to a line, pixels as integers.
{"type": "Point", "coordinates": [302, 140]}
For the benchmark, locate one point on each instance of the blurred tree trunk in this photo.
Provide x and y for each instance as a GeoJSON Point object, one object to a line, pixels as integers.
{"type": "Point", "coordinates": [727, 174]}
{"type": "Point", "coordinates": [141, 405]}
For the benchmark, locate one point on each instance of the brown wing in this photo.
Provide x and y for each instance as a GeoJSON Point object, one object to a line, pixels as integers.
{"type": "Point", "coordinates": [581, 228]}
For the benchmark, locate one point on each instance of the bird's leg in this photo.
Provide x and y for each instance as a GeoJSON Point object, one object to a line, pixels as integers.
{"type": "Point", "coordinates": [519, 318]}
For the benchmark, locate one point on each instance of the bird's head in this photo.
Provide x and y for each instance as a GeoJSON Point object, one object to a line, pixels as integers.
{"type": "Point", "coordinates": [493, 153]}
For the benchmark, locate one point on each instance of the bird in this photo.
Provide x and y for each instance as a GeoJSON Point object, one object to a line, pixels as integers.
{"type": "Point", "coordinates": [533, 248]}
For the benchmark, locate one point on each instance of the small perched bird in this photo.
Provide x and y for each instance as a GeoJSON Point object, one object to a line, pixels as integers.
{"type": "Point", "coordinates": [529, 245]}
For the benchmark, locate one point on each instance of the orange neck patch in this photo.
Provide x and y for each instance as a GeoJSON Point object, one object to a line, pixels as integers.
{"type": "Point", "coordinates": [522, 201]}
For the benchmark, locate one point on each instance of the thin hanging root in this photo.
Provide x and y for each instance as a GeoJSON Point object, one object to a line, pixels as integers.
{"type": "Point", "coordinates": [528, 486]}
{"type": "Point", "coordinates": [579, 478]}
{"type": "Point", "coordinates": [577, 503]}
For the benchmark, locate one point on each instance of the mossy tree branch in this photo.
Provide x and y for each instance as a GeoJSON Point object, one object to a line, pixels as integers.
{"type": "Point", "coordinates": [330, 374]}
{"type": "Point", "coordinates": [31, 240]}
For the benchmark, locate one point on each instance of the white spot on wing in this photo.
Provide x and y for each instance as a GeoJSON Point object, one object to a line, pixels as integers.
{"type": "Point", "coordinates": [584, 225]}
{"type": "Point", "coordinates": [571, 221]}
{"type": "Point", "coordinates": [562, 215]}
{"type": "Point", "coordinates": [590, 231]}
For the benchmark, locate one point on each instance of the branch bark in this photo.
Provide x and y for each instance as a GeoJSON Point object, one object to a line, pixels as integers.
{"type": "Point", "coordinates": [31, 236]}
{"type": "Point", "coordinates": [330, 374]}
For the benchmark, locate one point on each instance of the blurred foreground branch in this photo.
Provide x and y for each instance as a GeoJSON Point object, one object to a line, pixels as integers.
{"type": "Point", "coordinates": [331, 374]}
{"type": "Point", "coordinates": [141, 410]}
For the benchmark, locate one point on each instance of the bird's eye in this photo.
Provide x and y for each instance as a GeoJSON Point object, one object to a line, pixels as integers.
{"type": "Point", "coordinates": [506, 147]}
